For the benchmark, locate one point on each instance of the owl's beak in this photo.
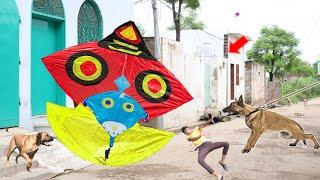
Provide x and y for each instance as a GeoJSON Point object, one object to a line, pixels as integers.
{"type": "Point", "coordinates": [114, 128]}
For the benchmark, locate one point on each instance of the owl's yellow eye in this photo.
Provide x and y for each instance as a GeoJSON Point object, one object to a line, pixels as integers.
{"type": "Point", "coordinates": [128, 107]}
{"type": "Point", "coordinates": [107, 102]}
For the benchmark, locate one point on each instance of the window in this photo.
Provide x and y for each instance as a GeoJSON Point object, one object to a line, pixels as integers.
{"type": "Point", "coordinates": [89, 22]}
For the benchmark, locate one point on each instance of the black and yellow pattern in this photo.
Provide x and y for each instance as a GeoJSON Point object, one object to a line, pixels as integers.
{"type": "Point", "coordinates": [127, 39]}
{"type": "Point", "coordinates": [153, 86]}
{"type": "Point", "coordinates": [86, 68]}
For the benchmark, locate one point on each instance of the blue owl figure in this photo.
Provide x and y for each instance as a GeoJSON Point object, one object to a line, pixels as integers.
{"type": "Point", "coordinates": [115, 110]}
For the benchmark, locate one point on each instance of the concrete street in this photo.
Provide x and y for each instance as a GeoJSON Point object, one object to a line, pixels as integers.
{"type": "Point", "coordinates": [270, 159]}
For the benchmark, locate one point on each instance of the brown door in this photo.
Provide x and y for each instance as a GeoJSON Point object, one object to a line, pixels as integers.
{"type": "Point", "coordinates": [232, 82]}
{"type": "Point", "coordinates": [237, 75]}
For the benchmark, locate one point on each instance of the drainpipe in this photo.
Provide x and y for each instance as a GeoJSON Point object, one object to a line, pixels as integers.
{"type": "Point", "coordinates": [227, 82]}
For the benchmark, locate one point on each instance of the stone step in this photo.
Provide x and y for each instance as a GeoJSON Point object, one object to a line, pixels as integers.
{"type": "Point", "coordinates": [41, 124]}
{"type": "Point", "coordinates": [10, 168]}
{"type": "Point", "coordinates": [35, 174]}
{"type": "Point", "coordinates": [57, 158]}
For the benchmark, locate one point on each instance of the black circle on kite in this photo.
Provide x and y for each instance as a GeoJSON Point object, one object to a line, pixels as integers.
{"type": "Point", "coordinates": [153, 86]}
{"type": "Point", "coordinates": [86, 68]}
{"type": "Point", "coordinates": [128, 107]}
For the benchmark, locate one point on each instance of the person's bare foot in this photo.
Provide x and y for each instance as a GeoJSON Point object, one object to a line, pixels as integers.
{"type": "Point", "coordinates": [218, 175]}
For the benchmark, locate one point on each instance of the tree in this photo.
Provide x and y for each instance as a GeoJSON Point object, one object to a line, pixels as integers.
{"type": "Point", "coordinates": [302, 69]}
{"type": "Point", "coordinates": [315, 66]}
{"type": "Point", "coordinates": [276, 49]}
{"type": "Point", "coordinates": [141, 29]}
{"type": "Point", "coordinates": [176, 12]}
{"type": "Point", "coordinates": [190, 22]}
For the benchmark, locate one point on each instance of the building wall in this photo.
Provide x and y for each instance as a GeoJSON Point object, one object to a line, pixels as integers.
{"type": "Point", "coordinates": [248, 82]}
{"type": "Point", "coordinates": [254, 84]}
{"type": "Point", "coordinates": [273, 90]}
{"type": "Point", "coordinates": [113, 14]}
{"type": "Point", "coordinates": [236, 59]}
{"type": "Point", "coordinates": [190, 71]}
{"type": "Point", "coordinates": [218, 86]}
{"type": "Point", "coordinates": [221, 79]}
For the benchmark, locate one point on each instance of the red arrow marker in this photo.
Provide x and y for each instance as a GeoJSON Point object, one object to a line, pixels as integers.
{"type": "Point", "coordinates": [234, 47]}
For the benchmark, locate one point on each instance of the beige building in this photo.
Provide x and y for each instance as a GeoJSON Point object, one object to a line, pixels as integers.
{"type": "Point", "coordinates": [254, 83]}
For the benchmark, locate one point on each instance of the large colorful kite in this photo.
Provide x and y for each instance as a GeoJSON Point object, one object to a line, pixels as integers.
{"type": "Point", "coordinates": [116, 82]}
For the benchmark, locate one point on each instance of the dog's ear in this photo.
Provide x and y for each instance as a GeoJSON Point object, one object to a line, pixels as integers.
{"type": "Point", "coordinates": [38, 139]}
{"type": "Point", "coordinates": [240, 101]}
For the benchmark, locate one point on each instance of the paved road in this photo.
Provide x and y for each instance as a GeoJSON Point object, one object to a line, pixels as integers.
{"type": "Point", "coordinates": [270, 159]}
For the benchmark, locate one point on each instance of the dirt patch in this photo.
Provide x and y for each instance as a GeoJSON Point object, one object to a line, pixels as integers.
{"type": "Point", "coordinates": [242, 130]}
{"type": "Point", "coordinates": [138, 171]}
{"type": "Point", "coordinates": [286, 175]}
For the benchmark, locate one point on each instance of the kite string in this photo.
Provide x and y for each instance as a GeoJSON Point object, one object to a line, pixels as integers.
{"type": "Point", "coordinates": [125, 63]}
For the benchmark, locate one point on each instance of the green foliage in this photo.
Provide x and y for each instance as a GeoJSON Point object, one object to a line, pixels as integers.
{"type": "Point", "coordinates": [190, 22]}
{"type": "Point", "coordinates": [302, 69]}
{"type": "Point", "coordinates": [276, 49]}
{"type": "Point", "coordinates": [176, 13]}
{"type": "Point", "coordinates": [288, 87]}
{"type": "Point", "coordinates": [316, 66]}
{"type": "Point", "coordinates": [192, 4]}
{"type": "Point", "coordinates": [141, 29]}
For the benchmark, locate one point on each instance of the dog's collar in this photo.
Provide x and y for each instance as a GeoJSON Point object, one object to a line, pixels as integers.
{"type": "Point", "coordinates": [257, 109]}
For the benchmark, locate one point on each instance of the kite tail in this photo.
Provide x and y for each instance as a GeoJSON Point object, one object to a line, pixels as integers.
{"type": "Point", "coordinates": [107, 152]}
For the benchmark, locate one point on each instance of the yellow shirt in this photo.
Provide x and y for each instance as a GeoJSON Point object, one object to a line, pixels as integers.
{"type": "Point", "coordinates": [195, 133]}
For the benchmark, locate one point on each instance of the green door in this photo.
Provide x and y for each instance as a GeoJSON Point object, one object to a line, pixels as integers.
{"type": "Point", "coordinates": [46, 38]}
{"type": "Point", "coordinates": [9, 70]}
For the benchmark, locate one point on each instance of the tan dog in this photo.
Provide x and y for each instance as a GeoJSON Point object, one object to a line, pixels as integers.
{"type": "Point", "coordinates": [28, 145]}
{"type": "Point", "coordinates": [260, 121]}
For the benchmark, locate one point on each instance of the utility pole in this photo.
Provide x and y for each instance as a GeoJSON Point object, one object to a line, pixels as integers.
{"type": "Point", "coordinates": [156, 30]}
{"type": "Point", "coordinates": [159, 120]}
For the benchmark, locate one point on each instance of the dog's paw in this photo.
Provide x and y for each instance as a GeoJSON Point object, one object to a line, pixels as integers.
{"type": "Point", "coordinates": [316, 146]}
{"type": "Point", "coordinates": [245, 150]}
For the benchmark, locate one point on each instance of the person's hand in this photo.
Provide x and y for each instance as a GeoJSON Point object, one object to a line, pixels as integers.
{"type": "Point", "coordinates": [212, 121]}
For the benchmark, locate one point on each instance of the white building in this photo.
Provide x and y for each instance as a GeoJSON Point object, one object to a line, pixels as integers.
{"type": "Point", "coordinates": [32, 29]}
{"type": "Point", "coordinates": [223, 77]}
{"type": "Point", "coordinates": [198, 63]}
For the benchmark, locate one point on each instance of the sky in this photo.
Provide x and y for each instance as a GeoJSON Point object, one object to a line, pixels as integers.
{"type": "Point", "coordinates": [297, 16]}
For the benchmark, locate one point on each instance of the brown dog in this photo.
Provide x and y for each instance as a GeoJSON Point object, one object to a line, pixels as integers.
{"type": "Point", "coordinates": [28, 145]}
{"type": "Point", "coordinates": [260, 121]}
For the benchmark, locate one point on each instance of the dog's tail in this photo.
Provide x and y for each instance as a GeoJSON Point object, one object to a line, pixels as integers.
{"type": "Point", "coordinates": [10, 132]}
{"type": "Point", "coordinates": [286, 135]}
